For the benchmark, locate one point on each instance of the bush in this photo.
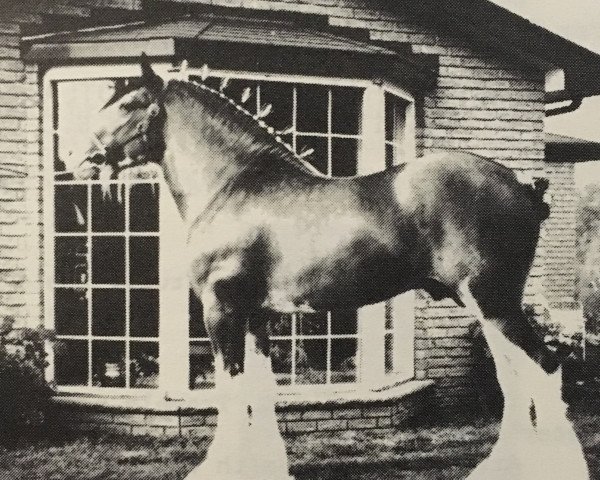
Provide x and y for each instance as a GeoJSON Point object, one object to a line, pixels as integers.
{"type": "Point", "coordinates": [24, 392]}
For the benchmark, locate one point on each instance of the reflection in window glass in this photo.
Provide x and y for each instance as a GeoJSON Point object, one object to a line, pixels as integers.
{"type": "Point", "coordinates": [144, 365]}
{"type": "Point", "coordinates": [343, 360]}
{"type": "Point", "coordinates": [108, 209]}
{"type": "Point", "coordinates": [202, 365]}
{"type": "Point", "coordinates": [108, 363]}
{"type": "Point", "coordinates": [281, 360]}
{"type": "Point", "coordinates": [311, 361]}
{"type": "Point", "coordinates": [70, 208]}
{"type": "Point", "coordinates": [71, 265]}
{"type": "Point", "coordinates": [395, 129]}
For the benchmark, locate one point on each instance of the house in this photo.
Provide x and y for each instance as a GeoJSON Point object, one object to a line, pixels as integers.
{"type": "Point", "coordinates": [365, 84]}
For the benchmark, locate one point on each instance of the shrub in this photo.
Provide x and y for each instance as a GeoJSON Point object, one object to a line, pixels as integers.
{"type": "Point", "coordinates": [24, 392]}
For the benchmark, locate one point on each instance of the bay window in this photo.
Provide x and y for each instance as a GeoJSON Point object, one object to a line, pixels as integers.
{"type": "Point", "coordinates": [117, 297]}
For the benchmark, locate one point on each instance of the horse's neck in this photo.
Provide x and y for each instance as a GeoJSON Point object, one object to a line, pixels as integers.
{"type": "Point", "coordinates": [196, 164]}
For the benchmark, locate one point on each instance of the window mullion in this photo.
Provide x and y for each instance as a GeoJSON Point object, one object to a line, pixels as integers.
{"type": "Point", "coordinates": [372, 153]}
{"type": "Point", "coordinates": [371, 318]}
{"type": "Point", "coordinates": [174, 345]}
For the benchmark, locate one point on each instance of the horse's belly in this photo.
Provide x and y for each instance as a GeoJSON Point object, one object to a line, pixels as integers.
{"type": "Point", "coordinates": [344, 281]}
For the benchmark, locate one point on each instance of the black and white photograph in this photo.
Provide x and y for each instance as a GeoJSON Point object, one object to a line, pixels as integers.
{"type": "Point", "coordinates": [299, 239]}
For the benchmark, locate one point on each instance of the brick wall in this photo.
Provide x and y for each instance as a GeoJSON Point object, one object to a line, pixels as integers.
{"type": "Point", "coordinates": [482, 104]}
{"type": "Point", "coordinates": [20, 183]}
{"type": "Point", "coordinates": [292, 419]}
{"type": "Point", "coordinates": [560, 237]}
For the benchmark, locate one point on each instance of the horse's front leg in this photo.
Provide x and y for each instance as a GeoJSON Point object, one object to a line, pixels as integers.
{"type": "Point", "coordinates": [247, 444]}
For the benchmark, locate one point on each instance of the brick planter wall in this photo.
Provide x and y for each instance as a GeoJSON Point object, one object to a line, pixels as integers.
{"type": "Point", "coordinates": [296, 417]}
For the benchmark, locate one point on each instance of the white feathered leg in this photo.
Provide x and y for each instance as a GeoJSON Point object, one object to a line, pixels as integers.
{"type": "Point", "coordinates": [247, 443]}
{"type": "Point", "coordinates": [536, 438]}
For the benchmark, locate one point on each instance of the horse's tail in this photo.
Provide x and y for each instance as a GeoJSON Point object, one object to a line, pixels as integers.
{"type": "Point", "coordinates": [536, 192]}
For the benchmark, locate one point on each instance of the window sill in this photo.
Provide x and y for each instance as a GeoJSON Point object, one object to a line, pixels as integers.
{"type": "Point", "coordinates": [153, 403]}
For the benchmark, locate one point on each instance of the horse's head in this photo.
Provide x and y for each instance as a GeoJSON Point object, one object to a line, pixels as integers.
{"type": "Point", "coordinates": [126, 132]}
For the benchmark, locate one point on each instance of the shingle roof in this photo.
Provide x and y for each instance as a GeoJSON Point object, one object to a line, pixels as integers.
{"type": "Point", "coordinates": [562, 148]}
{"type": "Point", "coordinates": [218, 29]}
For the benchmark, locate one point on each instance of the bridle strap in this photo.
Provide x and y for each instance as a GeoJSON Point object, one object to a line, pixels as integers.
{"type": "Point", "coordinates": [153, 111]}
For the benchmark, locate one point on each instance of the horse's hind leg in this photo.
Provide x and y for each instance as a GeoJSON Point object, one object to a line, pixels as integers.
{"type": "Point", "coordinates": [247, 443]}
{"type": "Point", "coordinates": [536, 438]}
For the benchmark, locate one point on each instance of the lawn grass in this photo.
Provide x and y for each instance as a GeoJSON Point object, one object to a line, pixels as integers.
{"type": "Point", "coordinates": [436, 449]}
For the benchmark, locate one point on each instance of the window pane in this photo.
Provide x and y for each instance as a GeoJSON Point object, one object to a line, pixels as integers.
{"type": "Point", "coordinates": [390, 155]}
{"type": "Point", "coordinates": [202, 368]}
{"type": "Point", "coordinates": [395, 118]}
{"type": "Point", "coordinates": [108, 260]}
{"type": "Point", "coordinates": [312, 108]}
{"type": "Point", "coordinates": [390, 117]}
{"type": "Point", "coordinates": [143, 313]}
{"type": "Point", "coordinates": [279, 324]}
{"type": "Point", "coordinates": [197, 329]}
{"type": "Point", "coordinates": [346, 110]}
{"type": "Point", "coordinates": [143, 207]}
{"type": "Point", "coordinates": [71, 262]}
{"type": "Point", "coordinates": [311, 361]}
{"type": "Point", "coordinates": [108, 209]}
{"type": "Point", "coordinates": [70, 311]}
{"type": "Point", "coordinates": [389, 353]}
{"type": "Point", "coordinates": [344, 322]}
{"type": "Point", "coordinates": [343, 360]}
{"type": "Point", "coordinates": [108, 363]}
{"type": "Point", "coordinates": [281, 96]}
{"type": "Point", "coordinates": [311, 323]}
{"type": "Point", "coordinates": [143, 260]}
{"type": "Point", "coordinates": [71, 362]}
{"type": "Point", "coordinates": [344, 155]}
{"type": "Point", "coordinates": [108, 312]}
{"type": "Point", "coordinates": [320, 156]}
{"type": "Point", "coordinates": [143, 367]}
{"type": "Point", "coordinates": [281, 360]}
{"type": "Point", "coordinates": [70, 208]}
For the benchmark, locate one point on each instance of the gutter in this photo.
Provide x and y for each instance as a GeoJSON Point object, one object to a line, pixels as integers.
{"type": "Point", "coordinates": [561, 96]}
{"type": "Point", "coordinates": [571, 107]}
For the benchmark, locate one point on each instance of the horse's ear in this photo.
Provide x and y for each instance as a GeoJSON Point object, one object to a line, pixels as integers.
{"type": "Point", "coordinates": [150, 79]}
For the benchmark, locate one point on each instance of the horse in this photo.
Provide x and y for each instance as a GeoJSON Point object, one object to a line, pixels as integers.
{"type": "Point", "coordinates": [268, 233]}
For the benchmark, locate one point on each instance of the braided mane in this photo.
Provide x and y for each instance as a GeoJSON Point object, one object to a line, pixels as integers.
{"type": "Point", "coordinates": [256, 138]}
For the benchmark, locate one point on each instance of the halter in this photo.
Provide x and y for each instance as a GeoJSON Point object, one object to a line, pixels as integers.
{"type": "Point", "coordinates": [142, 132]}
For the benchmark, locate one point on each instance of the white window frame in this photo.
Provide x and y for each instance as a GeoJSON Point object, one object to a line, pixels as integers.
{"type": "Point", "coordinates": [174, 341]}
